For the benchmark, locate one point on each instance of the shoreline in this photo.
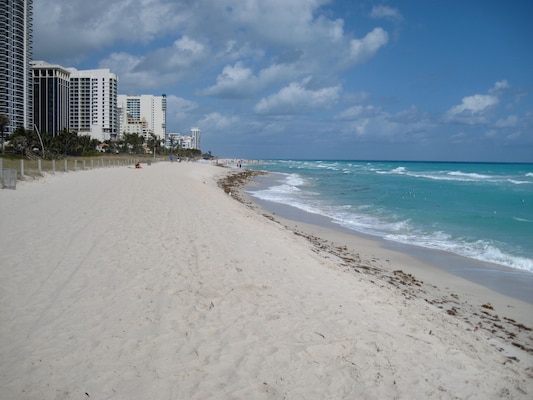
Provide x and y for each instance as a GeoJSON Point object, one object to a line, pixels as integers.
{"type": "Point", "coordinates": [504, 280]}
{"type": "Point", "coordinates": [508, 281]}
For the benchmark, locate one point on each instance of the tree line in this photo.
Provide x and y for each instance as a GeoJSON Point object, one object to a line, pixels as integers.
{"type": "Point", "coordinates": [69, 143]}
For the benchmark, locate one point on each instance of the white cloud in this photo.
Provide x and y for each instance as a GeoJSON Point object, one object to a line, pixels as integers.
{"type": "Point", "coordinates": [281, 22]}
{"type": "Point", "coordinates": [178, 109]}
{"type": "Point", "coordinates": [71, 30]}
{"type": "Point", "coordinates": [216, 121]}
{"type": "Point", "coordinates": [184, 53]}
{"type": "Point", "coordinates": [188, 46]}
{"type": "Point", "coordinates": [156, 69]}
{"type": "Point", "coordinates": [124, 66]}
{"type": "Point", "coordinates": [234, 50]}
{"type": "Point", "coordinates": [510, 122]}
{"type": "Point", "coordinates": [178, 40]}
{"type": "Point", "coordinates": [372, 122]}
{"type": "Point", "coordinates": [358, 111]}
{"type": "Point", "coordinates": [237, 73]}
{"type": "Point", "coordinates": [363, 49]}
{"type": "Point", "coordinates": [500, 86]}
{"type": "Point", "coordinates": [475, 104]}
{"type": "Point", "coordinates": [296, 98]}
{"type": "Point", "coordinates": [121, 63]}
{"type": "Point", "coordinates": [409, 115]}
{"type": "Point", "coordinates": [386, 12]}
{"type": "Point", "coordinates": [240, 81]}
{"type": "Point", "coordinates": [472, 109]}
{"type": "Point", "coordinates": [481, 109]}
{"type": "Point", "coordinates": [234, 81]}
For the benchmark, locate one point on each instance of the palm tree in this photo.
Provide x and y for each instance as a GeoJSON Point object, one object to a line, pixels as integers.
{"type": "Point", "coordinates": [67, 142]}
{"type": "Point", "coordinates": [134, 142]}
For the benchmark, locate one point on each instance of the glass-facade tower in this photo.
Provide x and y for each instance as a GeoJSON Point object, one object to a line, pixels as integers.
{"type": "Point", "coordinates": [16, 45]}
{"type": "Point", "coordinates": [50, 98]}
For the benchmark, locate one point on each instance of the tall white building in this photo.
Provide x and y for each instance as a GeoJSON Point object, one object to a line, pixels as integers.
{"type": "Point", "coordinates": [146, 107]}
{"type": "Point", "coordinates": [93, 103]}
{"type": "Point", "coordinates": [196, 134]}
{"type": "Point", "coordinates": [16, 44]}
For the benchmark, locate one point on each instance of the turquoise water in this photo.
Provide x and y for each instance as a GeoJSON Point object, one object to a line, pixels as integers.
{"type": "Point", "coordinates": [480, 211]}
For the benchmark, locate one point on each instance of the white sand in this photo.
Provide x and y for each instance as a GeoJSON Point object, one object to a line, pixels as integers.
{"type": "Point", "coordinates": [154, 284]}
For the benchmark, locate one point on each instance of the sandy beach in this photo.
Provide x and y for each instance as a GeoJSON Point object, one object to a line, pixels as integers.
{"type": "Point", "coordinates": [155, 283]}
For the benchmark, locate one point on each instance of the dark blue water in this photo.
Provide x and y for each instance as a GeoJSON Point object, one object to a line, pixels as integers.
{"type": "Point", "coordinates": [480, 211]}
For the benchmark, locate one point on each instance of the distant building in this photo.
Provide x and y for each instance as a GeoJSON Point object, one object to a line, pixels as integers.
{"type": "Point", "coordinates": [148, 108]}
{"type": "Point", "coordinates": [16, 34]}
{"type": "Point", "coordinates": [50, 97]}
{"type": "Point", "coordinates": [184, 141]}
{"type": "Point", "coordinates": [138, 126]}
{"type": "Point", "coordinates": [196, 136]}
{"type": "Point", "coordinates": [172, 140]}
{"type": "Point", "coordinates": [93, 103]}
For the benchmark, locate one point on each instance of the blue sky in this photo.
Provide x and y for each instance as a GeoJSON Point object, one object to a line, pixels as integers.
{"type": "Point", "coordinates": [394, 80]}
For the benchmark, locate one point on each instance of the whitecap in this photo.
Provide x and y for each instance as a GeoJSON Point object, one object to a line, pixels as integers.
{"type": "Point", "coordinates": [518, 182]}
{"type": "Point", "coordinates": [522, 219]}
{"type": "Point", "coordinates": [469, 175]}
{"type": "Point", "coordinates": [399, 170]}
{"type": "Point", "coordinates": [294, 180]}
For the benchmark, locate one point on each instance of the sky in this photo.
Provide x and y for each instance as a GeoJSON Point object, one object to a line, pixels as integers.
{"type": "Point", "coordinates": [425, 80]}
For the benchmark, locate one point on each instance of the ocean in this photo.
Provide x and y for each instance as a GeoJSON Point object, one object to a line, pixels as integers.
{"type": "Point", "coordinates": [482, 211]}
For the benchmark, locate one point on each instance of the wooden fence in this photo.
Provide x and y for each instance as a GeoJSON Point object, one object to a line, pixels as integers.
{"type": "Point", "coordinates": [28, 168]}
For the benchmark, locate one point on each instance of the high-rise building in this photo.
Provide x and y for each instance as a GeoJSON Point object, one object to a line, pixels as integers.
{"type": "Point", "coordinates": [93, 103]}
{"type": "Point", "coordinates": [16, 41]}
{"type": "Point", "coordinates": [196, 134]}
{"type": "Point", "coordinates": [50, 97]}
{"type": "Point", "coordinates": [146, 107]}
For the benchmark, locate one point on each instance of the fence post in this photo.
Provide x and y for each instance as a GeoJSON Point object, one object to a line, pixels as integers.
{"type": "Point", "coordinates": [66, 166]}
{"type": "Point", "coordinates": [54, 166]}
{"type": "Point", "coordinates": [39, 167]}
{"type": "Point", "coordinates": [92, 164]}
{"type": "Point", "coordinates": [21, 167]}
{"type": "Point", "coordinates": [84, 165]}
